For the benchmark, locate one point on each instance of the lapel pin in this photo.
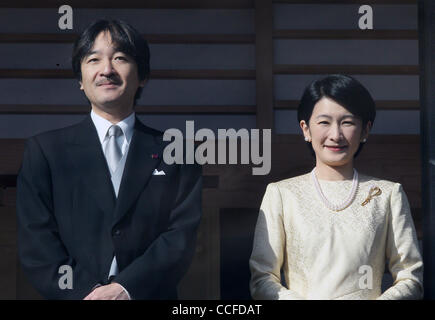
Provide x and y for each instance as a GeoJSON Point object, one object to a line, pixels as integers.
{"type": "Point", "coordinates": [154, 156]}
{"type": "Point", "coordinates": [374, 191]}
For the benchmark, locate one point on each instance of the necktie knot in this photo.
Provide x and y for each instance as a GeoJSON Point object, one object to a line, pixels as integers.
{"type": "Point", "coordinates": [114, 130]}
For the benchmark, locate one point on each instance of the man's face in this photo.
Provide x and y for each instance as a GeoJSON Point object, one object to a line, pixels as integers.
{"type": "Point", "coordinates": [109, 77]}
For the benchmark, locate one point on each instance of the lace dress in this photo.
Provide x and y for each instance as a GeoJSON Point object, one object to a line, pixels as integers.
{"type": "Point", "coordinates": [334, 255]}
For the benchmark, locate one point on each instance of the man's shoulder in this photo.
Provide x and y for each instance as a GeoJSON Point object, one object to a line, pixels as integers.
{"type": "Point", "coordinates": [58, 136]}
{"type": "Point", "coordinates": [148, 130]}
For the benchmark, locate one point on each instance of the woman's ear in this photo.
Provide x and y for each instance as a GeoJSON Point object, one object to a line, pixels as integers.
{"type": "Point", "coordinates": [305, 130]}
{"type": "Point", "coordinates": [366, 131]}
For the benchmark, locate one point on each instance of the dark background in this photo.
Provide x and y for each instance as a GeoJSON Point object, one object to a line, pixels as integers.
{"type": "Point", "coordinates": [228, 64]}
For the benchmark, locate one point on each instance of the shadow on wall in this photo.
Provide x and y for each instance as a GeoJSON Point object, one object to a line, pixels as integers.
{"type": "Point", "coordinates": [237, 234]}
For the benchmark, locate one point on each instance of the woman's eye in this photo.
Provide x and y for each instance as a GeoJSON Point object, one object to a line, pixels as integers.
{"type": "Point", "coordinates": [92, 60]}
{"type": "Point", "coordinates": [323, 122]}
{"type": "Point", "coordinates": [348, 123]}
{"type": "Point", "coordinates": [121, 58]}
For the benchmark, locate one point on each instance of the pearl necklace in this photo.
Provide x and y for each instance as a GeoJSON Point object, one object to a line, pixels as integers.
{"type": "Point", "coordinates": [328, 204]}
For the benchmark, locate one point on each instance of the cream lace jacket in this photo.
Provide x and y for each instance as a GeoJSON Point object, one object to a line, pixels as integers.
{"type": "Point", "coordinates": [334, 255]}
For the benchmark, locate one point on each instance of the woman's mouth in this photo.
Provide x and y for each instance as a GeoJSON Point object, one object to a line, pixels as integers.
{"type": "Point", "coordinates": [336, 148]}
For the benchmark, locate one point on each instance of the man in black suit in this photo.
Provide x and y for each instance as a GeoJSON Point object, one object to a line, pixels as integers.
{"type": "Point", "coordinates": [97, 198]}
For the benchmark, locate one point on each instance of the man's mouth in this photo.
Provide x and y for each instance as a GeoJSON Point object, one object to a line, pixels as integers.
{"type": "Point", "coordinates": [108, 84]}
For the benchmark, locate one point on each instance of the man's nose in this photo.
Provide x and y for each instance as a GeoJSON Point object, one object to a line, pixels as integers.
{"type": "Point", "coordinates": [107, 68]}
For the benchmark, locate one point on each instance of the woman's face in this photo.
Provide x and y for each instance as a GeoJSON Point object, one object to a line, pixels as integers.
{"type": "Point", "coordinates": [334, 132]}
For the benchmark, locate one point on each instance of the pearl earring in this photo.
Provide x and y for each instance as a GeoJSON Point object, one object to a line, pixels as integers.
{"type": "Point", "coordinates": [307, 139]}
{"type": "Point", "coordinates": [364, 140]}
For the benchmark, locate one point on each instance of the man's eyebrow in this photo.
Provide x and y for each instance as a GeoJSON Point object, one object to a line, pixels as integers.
{"type": "Point", "coordinates": [98, 51]}
{"type": "Point", "coordinates": [92, 52]}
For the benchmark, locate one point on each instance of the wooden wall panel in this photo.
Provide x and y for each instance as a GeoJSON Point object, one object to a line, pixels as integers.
{"type": "Point", "coordinates": [8, 253]}
{"type": "Point", "coordinates": [231, 194]}
{"type": "Point", "coordinates": [202, 281]}
{"type": "Point", "coordinates": [237, 231]}
{"type": "Point", "coordinates": [427, 93]}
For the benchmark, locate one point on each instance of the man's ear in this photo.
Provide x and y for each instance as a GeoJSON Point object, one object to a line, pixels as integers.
{"type": "Point", "coordinates": [142, 83]}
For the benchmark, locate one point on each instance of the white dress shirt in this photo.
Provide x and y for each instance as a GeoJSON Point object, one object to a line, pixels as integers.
{"type": "Point", "coordinates": [102, 125]}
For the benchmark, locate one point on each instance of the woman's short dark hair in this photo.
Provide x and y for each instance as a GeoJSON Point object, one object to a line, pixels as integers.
{"type": "Point", "coordinates": [124, 37]}
{"type": "Point", "coordinates": [344, 90]}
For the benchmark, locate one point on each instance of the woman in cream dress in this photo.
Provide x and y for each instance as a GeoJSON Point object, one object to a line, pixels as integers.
{"type": "Point", "coordinates": [332, 231]}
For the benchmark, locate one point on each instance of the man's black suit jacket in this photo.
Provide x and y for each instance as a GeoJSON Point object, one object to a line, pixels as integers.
{"type": "Point", "coordinates": [68, 214]}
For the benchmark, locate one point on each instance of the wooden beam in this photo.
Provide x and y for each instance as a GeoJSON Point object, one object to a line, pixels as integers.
{"type": "Point", "coordinates": [155, 74]}
{"type": "Point", "coordinates": [37, 37]}
{"type": "Point", "coordinates": [371, 2]}
{"type": "Point", "coordinates": [134, 4]}
{"type": "Point", "coordinates": [264, 62]}
{"type": "Point", "coordinates": [204, 74]}
{"type": "Point", "coordinates": [224, 38]}
{"type": "Point", "coordinates": [347, 34]}
{"type": "Point", "coordinates": [347, 69]}
{"type": "Point", "coordinates": [163, 109]}
{"type": "Point", "coordinates": [177, 4]}
{"type": "Point", "coordinates": [201, 38]}
{"type": "Point", "coordinates": [380, 104]}
{"type": "Point", "coordinates": [151, 38]}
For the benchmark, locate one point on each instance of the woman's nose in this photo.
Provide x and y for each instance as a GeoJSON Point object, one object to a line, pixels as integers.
{"type": "Point", "coordinates": [336, 132]}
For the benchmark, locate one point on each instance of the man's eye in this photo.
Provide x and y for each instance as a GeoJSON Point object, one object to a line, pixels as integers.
{"type": "Point", "coordinates": [121, 58]}
{"type": "Point", "coordinates": [348, 123]}
{"type": "Point", "coordinates": [93, 60]}
{"type": "Point", "coordinates": [323, 122]}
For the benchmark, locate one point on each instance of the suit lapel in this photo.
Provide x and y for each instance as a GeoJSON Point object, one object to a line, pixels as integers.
{"type": "Point", "coordinates": [144, 155]}
{"type": "Point", "coordinates": [88, 158]}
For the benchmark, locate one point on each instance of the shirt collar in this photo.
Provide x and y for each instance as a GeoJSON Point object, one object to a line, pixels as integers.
{"type": "Point", "coordinates": [102, 125]}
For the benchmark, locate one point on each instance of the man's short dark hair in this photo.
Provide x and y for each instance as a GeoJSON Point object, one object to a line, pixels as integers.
{"type": "Point", "coordinates": [125, 38]}
{"type": "Point", "coordinates": [344, 90]}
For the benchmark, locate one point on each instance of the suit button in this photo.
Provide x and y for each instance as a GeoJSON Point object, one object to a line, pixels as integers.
{"type": "Point", "coordinates": [117, 233]}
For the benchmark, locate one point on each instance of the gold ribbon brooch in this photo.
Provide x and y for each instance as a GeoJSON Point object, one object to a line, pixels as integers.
{"type": "Point", "coordinates": [374, 191]}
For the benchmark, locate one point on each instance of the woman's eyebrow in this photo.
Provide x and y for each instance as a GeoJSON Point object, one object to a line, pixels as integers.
{"type": "Point", "coordinates": [329, 117]}
{"type": "Point", "coordinates": [323, 116]}
{"type": "Point", "coordinates": [349, 116]}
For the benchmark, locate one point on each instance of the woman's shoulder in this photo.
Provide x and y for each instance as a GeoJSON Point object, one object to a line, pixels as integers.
{"type": "Point", "coordinates": [384, 184]}
{"type": "Point", "coordinates": [364, 178]}
{"type": "Point", "coordinates": [292, 182]}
